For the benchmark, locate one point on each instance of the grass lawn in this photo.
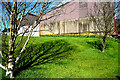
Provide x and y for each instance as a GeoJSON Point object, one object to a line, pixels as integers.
{"type": "Point", "coordinates": [69, 57]}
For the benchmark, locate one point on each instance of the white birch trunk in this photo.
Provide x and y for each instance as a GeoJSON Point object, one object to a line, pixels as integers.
{"type": "Point", "coordinates": [10, 67]}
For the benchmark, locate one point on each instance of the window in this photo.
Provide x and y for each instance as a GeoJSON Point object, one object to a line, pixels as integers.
{"type": "Point", "coordinates": [83, 4]}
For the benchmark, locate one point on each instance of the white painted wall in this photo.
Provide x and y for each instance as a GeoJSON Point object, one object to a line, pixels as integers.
{"type": "Point", "coordinates": [34, 33]}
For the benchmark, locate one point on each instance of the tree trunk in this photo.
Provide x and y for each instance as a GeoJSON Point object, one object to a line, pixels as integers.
{"type": "Point", "coordinates": [10, 67]}
{"type": "Point", "coordinates": [104, 43]}
{"type": "Point", "coordinates": [103, 47]}
{"type": "Point", "coordinates": [11, 60]}
{"type": "Point", "coordinates": [12, 38]}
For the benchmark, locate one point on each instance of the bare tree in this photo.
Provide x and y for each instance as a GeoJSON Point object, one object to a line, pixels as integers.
{"type": "Point", "coordinates": [14, 14]}
{"type": "Point", "coordinates": [102, 17]}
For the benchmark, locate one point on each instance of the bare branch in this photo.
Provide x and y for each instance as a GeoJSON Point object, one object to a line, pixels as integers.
{"type": "Point", "coordinates": [1, 54]}
{"type": "Point", "coordinates": [30, 9]}
{"type": "Point", "coordinates": [25, 14]}
{"type": "Point", "coordinates": [23, 33]}
{"type": "Point", "coordinates": [4, 25]}
{"type": "Point", "coordinates": [25, 7]}
{"type": "Point", "coordinates": [42, 9]}
{"type": "Point", "coordinates": [3, 67]}
{"type": "Point", "coordinates": [6, 7]}
{"type": "Point", "coordinates": [24, 46]}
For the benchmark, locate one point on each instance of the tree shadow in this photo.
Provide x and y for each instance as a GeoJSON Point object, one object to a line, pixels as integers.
{"type": "Point", "coordinates": [98, 45]}
{"type": "Point", "coordinates": [47, 52]}
{"type": "Point", "coordinates": [95, 44]}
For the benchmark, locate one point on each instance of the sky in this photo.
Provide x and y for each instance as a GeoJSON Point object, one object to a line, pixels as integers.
{"type": "Point", "coordinates": [0, 13]}
{"type": "Point", "coordinates": [117, 15]}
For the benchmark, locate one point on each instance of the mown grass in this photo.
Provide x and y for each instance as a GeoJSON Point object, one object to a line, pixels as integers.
{"type": "Point", "coordinates": [68, 57]}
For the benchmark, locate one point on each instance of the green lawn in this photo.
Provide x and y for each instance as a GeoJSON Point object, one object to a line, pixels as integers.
{"type": "Point", "coordinates": [68, 57]}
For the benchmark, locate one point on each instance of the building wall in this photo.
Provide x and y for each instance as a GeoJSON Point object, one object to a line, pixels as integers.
{"type": "Point", "coordinates": [73, 26]}
{"type": "Point", "coordinates": [70, 10]}
{"type": "Point", "coordinates": [73, 18]}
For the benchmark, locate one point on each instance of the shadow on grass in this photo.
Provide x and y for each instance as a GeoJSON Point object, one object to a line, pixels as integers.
{"type": "Point", "coordinates": [43, 53]}
{"type": "Point", "coordinates": [98, 45]}
{"type": "Point", "coordinates": [95, 44]}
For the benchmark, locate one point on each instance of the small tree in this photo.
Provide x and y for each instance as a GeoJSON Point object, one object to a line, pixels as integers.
{"type": "Point", "coordinates": [102, 17]}
{"type": "Point", "coordinates": [14, 14]}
